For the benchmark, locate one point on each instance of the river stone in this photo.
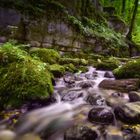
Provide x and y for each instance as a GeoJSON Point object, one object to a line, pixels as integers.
{"type": "Point", "coordinates": [108, 74]}
{"type": "Point", "coordinates": [114, 101]}
{"type": "Point", "coordinates": [128, 113]}
{"type": "Point", "coordinates": [95, 99]}
{"type": "Point", "coordinates": [69, 78]}
{"type": "Point", "coordinates": [73, 95]}
{"type": "Point", "coordinates": [122, 85]}
{"type": "Point", "coordinates": [95, 74]}
{"type": "Point", "coordinates": [114, 133]}
{"type": "Point", "coordinates": [7, 135]}
{"type": "Point", "coordinates": [89, 76]}
{"type": "Point", "coordinates": [86, 84]}
{"type": "Point", "coordinates": [101, 115]}
{"type": "Point", "coordinates": [80, 133]}
{"type": "Point", "coordinates": [134, 96]}
{"type": "Point", "coordinates": [3, 39]}
{"type": "Point", "coordinates": [78, 78]}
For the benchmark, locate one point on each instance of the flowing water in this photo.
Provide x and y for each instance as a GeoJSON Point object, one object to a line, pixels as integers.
{"type": "Point", "coordinates": [56, 118]}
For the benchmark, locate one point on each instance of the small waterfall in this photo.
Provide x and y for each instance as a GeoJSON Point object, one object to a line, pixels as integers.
{"type": "Point", "coordinates": [60, 115]}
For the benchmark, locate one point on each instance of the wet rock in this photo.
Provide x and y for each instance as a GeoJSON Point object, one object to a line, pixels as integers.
{"type": "Point", "coordinates": [95, 99]}
{"type": "Point", "coordinates": [122, 85]}
{"type": "Point", "coordinates": [35, 44]}
{"type": "Point", "coordinates": [128, 113]}
{"type": "Point", "coordinates": [108, 74]}
{"type": "Point", "coordinates": [3, 39]}
{"type": "Point", "coordinates": [30, 137]}
{"type": "Point", "coordinates": [7, 135]}
{"type": "Point", "coordinates": [69, 79]}
{"type": "Point", "coordinates": [134, 96]}
{"type": "Point", "coordinates": [129, 129]}
{"type": "Point", "coordinates": [35, 104]}
{"type": "Point", "coordinates": [115, 99]}
{"type": "Point", "coordinates": [80, 133]}
{"type": "Point", "coordinates": [118, 24]}
{"type": "Point", "coordinates": [101, 115]}
{"type": "Point", "coordinates": [135, 137]}
{"type": "Point", "coordinates": [95, 74]}
{"type": "Point", "coordinates": [78, 78]}
{"type": "Point", "coordinates": [117, 94]}
{"type": "Point", "coordinates": [114, 133]}
{"type": "Point", "coordinates": [72, 95]}
{"type": "Point", "coordinates": [85, 84]}
{"type": "Point", "coordinates": [89, 76]}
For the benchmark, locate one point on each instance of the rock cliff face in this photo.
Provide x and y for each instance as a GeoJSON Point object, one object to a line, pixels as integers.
{"type": "Point", "coordinates": [8, 17]}
{"type": "Point", "coordinates": [70, 26]}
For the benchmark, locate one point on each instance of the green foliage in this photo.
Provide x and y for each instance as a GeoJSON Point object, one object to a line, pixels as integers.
{"type": "Point", "coordinates": [136, 33]}
{"type": "Point", "coordinates": [90, 28]}
{"type": "Point", "coordinates": [130, 70]}
{"type": "Point", "coordinates": [46, 55]}
{"type": "Point", "coordinates": [57, 70]}
{"type": "Point", "coordinates": [22, 77]}
{"type": "Point", "coordinates": [77, 24]}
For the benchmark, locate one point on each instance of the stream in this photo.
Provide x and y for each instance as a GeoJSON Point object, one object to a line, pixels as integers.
{"type": "Point", "coordinates": [81, 111]}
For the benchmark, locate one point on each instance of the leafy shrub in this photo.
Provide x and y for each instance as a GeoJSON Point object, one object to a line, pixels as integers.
{"type": "Point", "coordinates": [130, 70]}
{"type": "Point", "coordinates": [46, 55]}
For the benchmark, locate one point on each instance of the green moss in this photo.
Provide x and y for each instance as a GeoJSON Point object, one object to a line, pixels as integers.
{"type": "Point", "coordinates": [83, 69]}
{"type": "Point", "coordinates": [57, 70]}
{"type": "Point", "coordinates": [110, 40]}
{"type": "Point", "coordinates": [75, 61]}
{"type": "Point", "coordinates": [130, 70]}
{"type": "Point", "coordinates": [24, 81]}
{"type": "Point", "coordinates": [109, 64]}
{"type": "Point", "coordinates": [70, 68]}
{"type": "Point", "coordinates": [95, 56]}
{"type": "Point", "coordinates": [22, 77]}
{"type": "Point", "coordinates": [10, 53]}
{"type": "Point", "coordinates": [46, 55]}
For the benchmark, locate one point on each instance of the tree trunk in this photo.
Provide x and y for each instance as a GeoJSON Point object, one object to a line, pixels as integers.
{"type": "Point", "coordinates": [132, 23]}
{"type": "Point", "coordinates": [123, 7]}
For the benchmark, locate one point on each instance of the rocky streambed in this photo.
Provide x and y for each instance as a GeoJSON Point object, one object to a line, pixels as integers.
{"type": "Point", "coordinates": [85, 106]}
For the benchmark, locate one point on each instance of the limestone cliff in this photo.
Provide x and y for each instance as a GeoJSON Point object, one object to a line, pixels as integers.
{"type": "Point", "coordinates": [76, 25]}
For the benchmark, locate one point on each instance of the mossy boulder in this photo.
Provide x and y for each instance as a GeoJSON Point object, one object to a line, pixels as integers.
{"type": "Point", "coordinates": [74, 61]}
{"type": "Point", "coordinates": [130, 70]}
{"type": "Point", "coordinates": [22, 77]}
{"type": "Point", "coordinates": [108, 64]}
{"type": "Point", "coordinates": [83, 69]}
{"type": "Point", "coordinates": [70, 68]}
{"type": "Point", "coordinates": [11, 53]}
{"type": "Point", "coordinates": [46, 55]}
{"type": "Point", "coordinates": [24, 81]}
{"type": "Point", "coordinates": [57, 70]}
